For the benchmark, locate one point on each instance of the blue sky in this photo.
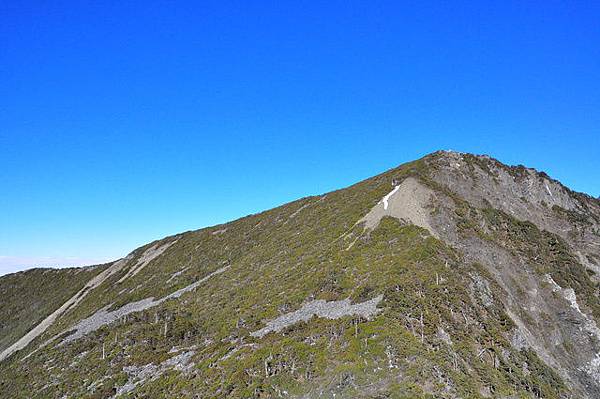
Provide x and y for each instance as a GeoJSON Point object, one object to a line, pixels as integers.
{"type": "Point", "coordinates": [124, 123]}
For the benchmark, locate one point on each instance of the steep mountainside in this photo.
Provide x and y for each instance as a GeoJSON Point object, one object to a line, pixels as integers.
{"type": "Point", "coordinates": [453, 276]}
{"type": "Point", "coordinates": [28, 297]}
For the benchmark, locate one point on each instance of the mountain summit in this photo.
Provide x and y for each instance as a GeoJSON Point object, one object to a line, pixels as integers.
{"type": "Point", "coordinates": [453, 276]}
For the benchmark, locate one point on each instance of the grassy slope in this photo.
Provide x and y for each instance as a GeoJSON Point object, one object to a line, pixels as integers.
{"type": "Point", "coordinates": [277, 262]}
{"type": "Point", "coordinates": [26, 298]}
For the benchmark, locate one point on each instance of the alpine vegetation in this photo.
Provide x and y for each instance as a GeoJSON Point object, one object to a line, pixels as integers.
{"type": "Point", "coordinates": [453, 276]}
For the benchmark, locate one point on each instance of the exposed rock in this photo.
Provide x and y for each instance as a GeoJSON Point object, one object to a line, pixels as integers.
{"type": "Point", "coordinates": [320, 308]}
{"type": "Point", "coordinates": [138, 375]}
{"type": "Point", "coordinates": [103, 316]}
{"type": "Point", "coordinates": [407, 202]}
{"type": "Point", "coordinates": [498, 299]}
{"type": "Point", "coordinates": [148, 256]}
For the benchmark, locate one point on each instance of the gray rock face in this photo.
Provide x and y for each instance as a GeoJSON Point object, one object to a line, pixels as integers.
{"type": "Point", "coordinates": [538, 307]}
{"type": "Point", "coordinates": [524, 194]}
{"type": "Point", "coordinates": [407, 202]}
{"type": "Point", "coordinates": [320, 308]}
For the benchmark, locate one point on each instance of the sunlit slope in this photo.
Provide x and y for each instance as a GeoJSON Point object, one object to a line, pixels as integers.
{"type": "Point", "coordinates": [451, 276]}
{"type": "Point", "coordinates": [28, 297]}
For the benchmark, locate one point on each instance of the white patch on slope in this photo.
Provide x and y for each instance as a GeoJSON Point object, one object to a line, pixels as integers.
{"type": "Point", "coordinates": [73, 301]}
{"type": "Point", "coordinates": [548, 189]}
{"type": "Point", "coordinates": [320, 308]}
{"type": "Point", "coordinates": [570, 296]}
{"type": "Point", "coordinates": [553, 284]}
{"type": "Point", "coordinates": [387, 197]}
{"type": "Point", "coordinates": [149, 255]}
{"type": "Point", "coordinates": [592, 368]}
{"type": "Point", "coordinates": [406, 202]}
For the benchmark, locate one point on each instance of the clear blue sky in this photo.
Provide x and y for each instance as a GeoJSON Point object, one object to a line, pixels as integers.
{"type": "Point", "coordinates": [124, 123]}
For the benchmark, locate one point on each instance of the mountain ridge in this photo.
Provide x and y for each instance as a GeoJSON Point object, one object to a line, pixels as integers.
{"type": "Point", "coordinates": [523, 246]}
{"type": "Point", "coordinates": [482, 156]}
